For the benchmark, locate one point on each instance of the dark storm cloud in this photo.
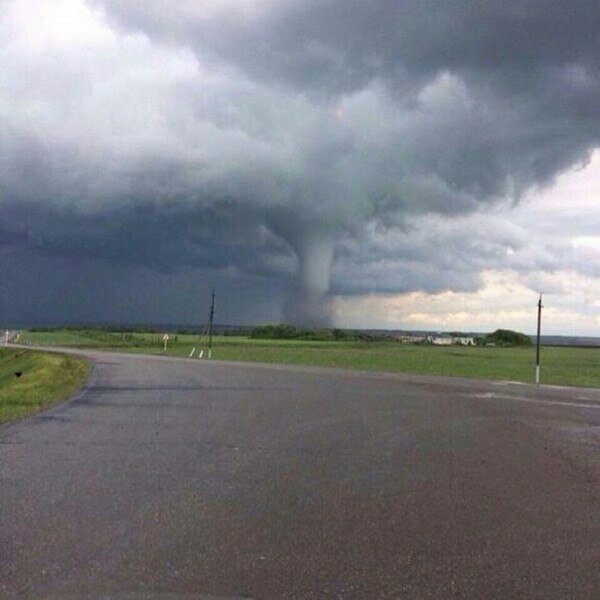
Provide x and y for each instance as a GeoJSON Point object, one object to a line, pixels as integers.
{"type": "Point", "coordinates": [233, 135]}
{"type": "Point", "coordinates": [12, 237]}
{"type": "Point", "coordinates": [338, 46]}
{"type": "Point", "coordinates": [165, 238]}
{"type": "Point", "coordinates": [525, 73]}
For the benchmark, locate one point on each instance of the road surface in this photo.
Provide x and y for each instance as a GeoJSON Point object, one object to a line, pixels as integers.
{"type": "Point", "coordinates": [174, 478]}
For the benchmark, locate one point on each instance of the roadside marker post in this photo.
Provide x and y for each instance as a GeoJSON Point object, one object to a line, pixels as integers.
{"type": "Point", "coordinates": [165, 339]}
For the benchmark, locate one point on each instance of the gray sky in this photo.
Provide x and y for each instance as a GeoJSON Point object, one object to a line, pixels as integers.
{"type": "Point", "coordinates": [410, 164]}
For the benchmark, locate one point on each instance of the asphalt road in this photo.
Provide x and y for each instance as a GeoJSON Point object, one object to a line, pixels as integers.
{"type": "Point", "coordinates": [176, 478]}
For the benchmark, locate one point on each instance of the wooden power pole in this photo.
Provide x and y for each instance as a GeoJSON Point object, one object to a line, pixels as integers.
{"type": "Point", "coordinates": [210, 324]}
{"type": "Point", "coordinates": [537, 346]}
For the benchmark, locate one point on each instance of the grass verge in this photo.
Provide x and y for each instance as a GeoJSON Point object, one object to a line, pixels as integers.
{"type": "Point", "coordinates": [46, 378]}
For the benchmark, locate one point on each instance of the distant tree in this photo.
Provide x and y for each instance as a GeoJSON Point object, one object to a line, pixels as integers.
{"type": "Point", "coordinates": [508, 338]}
{"type": "Point", "coordinates": [343, 335]}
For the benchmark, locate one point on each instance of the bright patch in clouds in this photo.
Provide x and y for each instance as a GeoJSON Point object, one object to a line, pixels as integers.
{"type": "Point", "coordinates": [587, 241]}
{"type": "Point", "coordinates": [50, 24]}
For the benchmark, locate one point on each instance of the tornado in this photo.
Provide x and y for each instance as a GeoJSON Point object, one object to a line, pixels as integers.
{"type": "Point", "coordinates": [308, 303]}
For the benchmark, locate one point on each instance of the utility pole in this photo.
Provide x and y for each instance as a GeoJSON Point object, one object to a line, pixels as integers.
{"type": "Point", "coordinates": [537, 347]}
{"type": "Point", "coordinates": [210, 324]}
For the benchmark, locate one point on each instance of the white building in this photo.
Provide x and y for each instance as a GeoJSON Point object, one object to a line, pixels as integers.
{"type": "Point", "coordinates": [441, 341]}
{"type": "Point", "coordinates": [464, 341]}
{"type": "Point", "coordinates": [446, 340]}
{"type": "Point", "coordinates": [410, 339]}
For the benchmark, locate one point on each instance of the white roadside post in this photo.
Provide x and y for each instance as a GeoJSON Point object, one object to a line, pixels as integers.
{"type": "Point", "coordinates": [6, 336]}
{"type": "Point", "coordinates": [165, 339]}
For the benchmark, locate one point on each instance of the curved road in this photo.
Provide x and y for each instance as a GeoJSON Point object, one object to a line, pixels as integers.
{"type": "Point", "coordinates": [175, 478]}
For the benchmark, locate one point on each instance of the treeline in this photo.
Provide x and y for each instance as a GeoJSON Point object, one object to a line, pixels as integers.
{"type": "Point", "coordinates": [157, 329]}
{"type": "Point", "coordinates": [94, 327]}
{"type": "Point", "coordinates": [126, 330]}
{"type": "Point", "coordinates": [289, 332]}
{"type": "Point", "coordinates": [126, 333]}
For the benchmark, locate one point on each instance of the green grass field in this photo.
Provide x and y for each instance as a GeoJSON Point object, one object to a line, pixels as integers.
{"type": "Point", "coordinates": [46, 378]}
{"type": "Point", "coordinates": [560, 366]}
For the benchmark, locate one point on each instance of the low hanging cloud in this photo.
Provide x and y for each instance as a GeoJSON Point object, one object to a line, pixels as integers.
{"type": "Point", "coordinates": [292, 140]}
{"type": "Point", "coordinates": [433, 254]}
